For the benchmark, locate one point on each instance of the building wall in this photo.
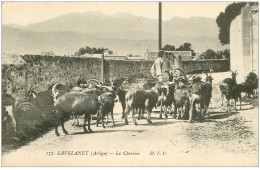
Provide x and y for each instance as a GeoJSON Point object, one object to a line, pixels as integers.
{"type": "Point", "coordinates": [244, 43]}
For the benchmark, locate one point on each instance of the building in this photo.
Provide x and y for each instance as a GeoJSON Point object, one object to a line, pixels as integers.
{"type": "Point", "coordinates": [244, 42]}
{"type": "Point", "coordinates": [106, 57]}
{"type": "Point", "coordinates": [135, 58]}
{"type": "Point", "coordinates": [115, 57]}
{"type": "Point", "coordinates": [47, 53]}
{"type": "Point", "coordinates": [150, 55]}
{"type": "Point", "coordinates": [186, 55]}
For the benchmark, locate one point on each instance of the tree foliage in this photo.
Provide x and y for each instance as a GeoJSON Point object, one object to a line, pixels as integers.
{"type": "Point", "coordinates": [168, 48]}
{"type": "Point", "coordinates": [224, 20]}
{"type": "Point", "coordinates": [226, 53]}
{"type": "Point", "coordinates": [91, 50]}
{"type": "Point", "coordinates": [211, 54]}
{"type": "Point", "coordinates": [185, 47]}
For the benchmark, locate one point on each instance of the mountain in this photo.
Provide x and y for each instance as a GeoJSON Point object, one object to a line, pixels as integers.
{"type": "Point", "coordinates": [122, 32]}
{"type": "Point", "coordinates": [66, 42]}
{"type": "Point", "coordinates": [121, 24]}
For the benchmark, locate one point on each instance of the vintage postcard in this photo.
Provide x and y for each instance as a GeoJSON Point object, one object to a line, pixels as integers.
{"type": "Point", "coordinates": [130, 84]}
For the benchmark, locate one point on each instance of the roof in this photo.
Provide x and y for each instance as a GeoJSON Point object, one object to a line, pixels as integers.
{"type": "Point", "coordinates": [15, 59]}
{"type": "Point", "coordinates": [135, 58]}
{"type": "Point", "coordinates": [182, 53]}
{"type": "Point", "coordinates": [96, 55]}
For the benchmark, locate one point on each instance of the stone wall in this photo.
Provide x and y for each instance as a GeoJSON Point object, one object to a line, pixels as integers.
{"type": "Point", "coordinates": [41, 72]}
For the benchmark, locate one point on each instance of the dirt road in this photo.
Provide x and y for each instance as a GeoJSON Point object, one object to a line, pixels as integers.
{"type": "Point", "coordinates": [223, 139]}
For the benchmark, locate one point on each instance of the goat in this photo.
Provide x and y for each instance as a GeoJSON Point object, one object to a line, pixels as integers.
{"type": "Point", "coordinates": [209, 77]}
{"type": "Point", "coordinates": [8, 107]}
{"type": "Point", "coordinates": [140, 99]}
{"type": "Point", "coordinates": [166, 97]}
{"type": "Point", "coordinates": [182, 98]}
{"type": "Point", "coordinates": [93, 83]}
{"type": "Point", "coordinates": [82, 103]}
{"type": "Point", "coordinates": [228, 82]}
{"type": "Point", "coordinates": [108, 107]}
{"type": "Point", "coordinates": [58, 90]}
{"type": "Point", "coordinates": [118, 87]}
{"type": "Point", "coordinates": [42, 100]}
{"type": "Point", "coordinates": [231, 90]}
{"type": "Point", "coordinates": [204, 92]}
{"type": "Point", "coordinates": [251, 83]}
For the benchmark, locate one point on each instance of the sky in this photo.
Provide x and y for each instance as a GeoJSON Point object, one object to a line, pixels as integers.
{"type": "Point", "coordinates": [25, 13]}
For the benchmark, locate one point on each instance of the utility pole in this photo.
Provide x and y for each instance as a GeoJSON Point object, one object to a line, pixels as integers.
{"type": "Point", "coordinates": [160, 26]}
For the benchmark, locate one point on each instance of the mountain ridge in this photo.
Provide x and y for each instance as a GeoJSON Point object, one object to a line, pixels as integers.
{"type": "Point", "coordinates": [110, 31]}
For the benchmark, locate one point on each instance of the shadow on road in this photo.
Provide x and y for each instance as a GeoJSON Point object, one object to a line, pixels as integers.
{"type": "Point", "coordinates": [221, 115]}
{"type": "Point", "coordinates": [106, 131]}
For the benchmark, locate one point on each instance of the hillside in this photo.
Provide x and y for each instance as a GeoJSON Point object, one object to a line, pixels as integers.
{"type": "Point", "coordinates": [124, 33]}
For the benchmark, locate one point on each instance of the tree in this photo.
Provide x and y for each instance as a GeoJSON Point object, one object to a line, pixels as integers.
{"type": "Point", "coordinates": [226, 53]}
{"type": "Point", "coordinates": [209, 54]}
{"type": "Point", "coordinates": [81, 51]}
{"type": "Point", "coordinates": [90, 50]}
{"type": "Point", "coordinates": [185, 47]}
{"type": "Point", "coordinates": [168, 48]}
{"type": "Point", "coordinates": [224, 20]}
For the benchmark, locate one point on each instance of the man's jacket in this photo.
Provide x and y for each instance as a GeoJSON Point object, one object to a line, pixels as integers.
{"type": "Point", "coordinates": [159, 66]}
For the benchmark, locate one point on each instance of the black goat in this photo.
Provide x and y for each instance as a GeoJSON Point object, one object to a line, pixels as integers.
{"type": "Point", "coordinates": [83, 103]}
{"type": "Point", "coordinates": [231, 90]}
{"type": "Point", "coordinates": [140, 99]}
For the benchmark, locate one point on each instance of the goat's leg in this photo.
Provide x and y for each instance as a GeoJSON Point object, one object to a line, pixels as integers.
{"type": "Point", "coordinates": [222, 97]}
{"type": "Point", "coordinates": [149, 116]}
{"type": "Point", "coordinates": [112, 116]}
{"type": "Point", "coordinates": [127, 110]}
{"type": "Point", "coordinates": [183, 110]}
{"type": "Point", "coordinates": [161, 109]}
{"type": "Point", "coordinates": [171, 109]}
{"type": "Point", "coordinates": [62, 126]}
{"type": "Point", "coordinates": [98, 116]}
{"type": "Point", "coordinates": [240, 102]}
{"type": "Point", "coordinates": [133, 116]}
{"type": "Point", "coordinates": [192, 109]}
{"type": "Point", "coordinates": [140, 113]}
{"type": "Point", "coordinates": [165, 112]}
{"type": "Point", "coordinates": [77, 119]}
{"type": "Point", "coordinates": [74, 122]}
{"type": "Point", "coordinates": [56, 126]}
{"type": "Point", "coordinates": [229, 106]}
{"type": "Point", "coordinates": [103, 117]}
{"type": "Point", "coordinates": [107, 118]}
{"type": "Point", "coordinates": [123, 107]}
{"type": "Point", "coordinates": [178, 113]}
{"type": "Point", "coordinates": [235, 104]}
{"type": "Point", "coordinates": [89, 120]}
{"type": "Point", "coordinates": [84, 125]}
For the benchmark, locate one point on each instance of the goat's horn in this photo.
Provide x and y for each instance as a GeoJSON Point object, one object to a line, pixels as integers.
{"type": "Point", "coordinates": [181, 71]}
{"type": "Point", "coordinates": [190, 76]}
{"type": "Point", "coordinates": [53, 88]}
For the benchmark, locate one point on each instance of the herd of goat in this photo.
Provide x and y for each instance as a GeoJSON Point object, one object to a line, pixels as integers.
{"type": "Point", "coordinates": [190, 98]}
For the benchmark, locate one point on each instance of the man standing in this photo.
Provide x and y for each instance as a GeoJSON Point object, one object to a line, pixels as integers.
{"type": "Point", "coordinates": [161, 67]}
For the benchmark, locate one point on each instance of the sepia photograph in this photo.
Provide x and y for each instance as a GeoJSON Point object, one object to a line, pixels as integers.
{"type": "Point", "coordinates": [129, 84]}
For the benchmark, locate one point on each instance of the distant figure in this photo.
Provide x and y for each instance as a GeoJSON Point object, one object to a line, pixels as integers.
{"type": "Point", "coordinates": [161, 67]}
